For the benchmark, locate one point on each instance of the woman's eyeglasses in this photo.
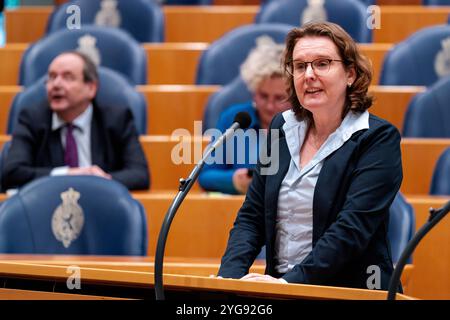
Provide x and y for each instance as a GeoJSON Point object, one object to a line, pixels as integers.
{"type": "Point", "coordinates": [320, 66]}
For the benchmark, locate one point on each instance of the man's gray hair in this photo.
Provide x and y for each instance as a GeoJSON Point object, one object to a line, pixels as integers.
{"type": "Point", "coordinates": [90, 73]}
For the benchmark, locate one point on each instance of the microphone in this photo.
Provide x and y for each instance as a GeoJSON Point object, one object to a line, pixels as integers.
{"type": "Point", "coordinates": [242, 120]}
{"type": "Point", "coordinates": [433, 219]}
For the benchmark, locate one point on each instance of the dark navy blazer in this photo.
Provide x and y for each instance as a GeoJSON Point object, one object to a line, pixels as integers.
{"type": "Point", "coordinates": [36, 149]}
{"type": "Point", "coordinates": [354, 191]}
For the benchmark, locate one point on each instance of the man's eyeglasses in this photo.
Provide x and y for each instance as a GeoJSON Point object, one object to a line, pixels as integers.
{"type": "Point", "coordinates": [320, 66]}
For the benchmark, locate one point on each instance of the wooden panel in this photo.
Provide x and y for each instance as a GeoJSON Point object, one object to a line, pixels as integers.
{"type": "Point", "coordinates": [193, 226]}
{"type": "Point", "coordinates": [194, 283]}
{"type": "Point", "coordinates": [398, 2]}
{"type": "Point", "coordinates": [170, 107]}
{"type": "Point", "coordinates": [3, 139]}
{"type": "Point", "coordinates": [6, 98]}
{"type": "Point", "coordinates": [167, 63]}
{"type": "Point", "coordinates": [183, 23]}
{"type": "Point", "coordinates": [391, 102]}
{"type": "Point", "coordinates": [419, 156]}
{"type": "Point", "coordinates": [172, 265]}
{"type": "Point", "coordinates": [26, 24]}
{"type": "Point", "coordinates": [10, 57]}
{"type": "Point", "coordinates": [399, 22]}
{"type": "Point", "coordinates": [200, 217]}
{"type": "Point", "coordinates": [430, 278]}
{"type": "Point", "coordinates": [378, 2]}
{"type": "Point", "coordinates": [207, 23]}
{"type": "Point", "coordinates": [13, 294]}
{"type": "Point", "coordinates": [173, 63]}
{"type": "Point", "coordinates": [375, 52]}
{"type": "Point", "coordinates": [187, 102]}
{"type": "Point", "coordinates": [174, 107]}
{"type": "Point", "coordinates": [203, 23]}
{"type": "Point", "coordinates": [166, 164]}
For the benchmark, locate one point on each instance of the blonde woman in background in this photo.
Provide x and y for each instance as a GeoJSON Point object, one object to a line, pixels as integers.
{"type": "Point", "coordinates": [263, 74]}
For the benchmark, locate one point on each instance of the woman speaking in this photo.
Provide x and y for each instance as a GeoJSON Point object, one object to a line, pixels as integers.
{"type": "Point", "coordinates": [323, 215]}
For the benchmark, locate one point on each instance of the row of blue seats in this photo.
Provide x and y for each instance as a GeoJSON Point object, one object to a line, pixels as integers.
{"type": "Point", "coordinates": [410, 63]}
{"type": "Point", "coordinates": [419, 60]}
{"type": "Point", "coordinates": [105, 220]}
{"type": "Point", "coordinates": [144, 19]}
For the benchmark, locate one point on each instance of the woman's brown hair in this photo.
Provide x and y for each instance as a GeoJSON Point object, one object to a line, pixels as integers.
{"type": "Point", "coordinates": [357, 98]}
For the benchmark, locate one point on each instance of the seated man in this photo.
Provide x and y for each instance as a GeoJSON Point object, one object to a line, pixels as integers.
{"type": "Point", "coordinates": [74, 135]}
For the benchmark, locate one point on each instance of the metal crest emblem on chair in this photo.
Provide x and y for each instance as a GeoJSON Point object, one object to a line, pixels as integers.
{"type": "Point", "coordinates": [108, 15]}
{"type": "Point", "coordinates": [68, 218]}
{"type": "Point", "coordinates": [87, 45]}
{"type": "Point", "coordinates": [442, 62]}
{"type": "Point", "coordinates": [315, 11]}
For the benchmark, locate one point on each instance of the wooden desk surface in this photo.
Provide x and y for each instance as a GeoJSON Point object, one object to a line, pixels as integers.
{"type": "Point", "coordinates": [172, 265]}
{"type": "Point", "coordinates": [429, 279]}
{"type": "Point", "coordinates": [31, 270]}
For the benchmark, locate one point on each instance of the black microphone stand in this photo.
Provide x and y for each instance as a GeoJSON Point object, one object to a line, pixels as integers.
{"type": "Point", "coordinates": [433, 219]}
{"type": "Point", "coordinates": [185, 186]}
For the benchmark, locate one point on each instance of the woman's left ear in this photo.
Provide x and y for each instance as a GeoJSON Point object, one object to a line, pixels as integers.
{"type": "Point", "coordinates": [351, 76]}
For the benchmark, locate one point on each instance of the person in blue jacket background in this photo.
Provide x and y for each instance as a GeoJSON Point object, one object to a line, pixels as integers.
{"type": "Point", "coordinates": [263, 74]}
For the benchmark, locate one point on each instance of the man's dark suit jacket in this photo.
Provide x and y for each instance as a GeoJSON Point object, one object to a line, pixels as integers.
{"type": "Point", "coordinates": [36, 149]}
{"type": "Point", "coordinates": [354, 191]}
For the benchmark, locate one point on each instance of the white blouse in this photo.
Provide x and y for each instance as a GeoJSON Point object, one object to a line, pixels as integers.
{"type": "Point", "coordinates": [294, 223]}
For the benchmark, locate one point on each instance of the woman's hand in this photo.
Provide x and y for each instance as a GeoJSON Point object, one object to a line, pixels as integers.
{"type": "Point", "coordinates": [261, 278]}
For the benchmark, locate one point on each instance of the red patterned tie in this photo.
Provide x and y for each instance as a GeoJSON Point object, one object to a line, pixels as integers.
{"type": "Point", "coordinates": [71, 152]}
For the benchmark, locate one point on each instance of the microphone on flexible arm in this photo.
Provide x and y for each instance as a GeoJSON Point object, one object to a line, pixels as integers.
{"type": "Point", "coordinates": [242, 120]}
{"type": "Point", "coordinates": [433, 219]}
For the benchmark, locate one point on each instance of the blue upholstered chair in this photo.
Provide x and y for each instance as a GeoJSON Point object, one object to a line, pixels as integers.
{"type": "Point", "coordinates": [402, 226]}
{"type": "Point", "coordinates": [428, 114]}
{"type": "Point", "coordinates": [436, 2]}
{"type": "Point", "coordinates": [73, 215]}
{"type": "Point", "coordinates": [419, 60]}
{"type": "Point", "coordinates": [143, 19]}
{"type": "Point", "coordinates": [220, 63]}
{"type": "Point", "coordinates": [440, 184]}
{"type": "Point", "coordinates": [115, 49]}
{"type": "Point", "coordinates": [114, 89]}
{"type": "Point", "coordinates": [351, 15]}
{"type": "Point", "coordinates": [3, 153]}
{"type": "Point", "coordinates": [234, 92]}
